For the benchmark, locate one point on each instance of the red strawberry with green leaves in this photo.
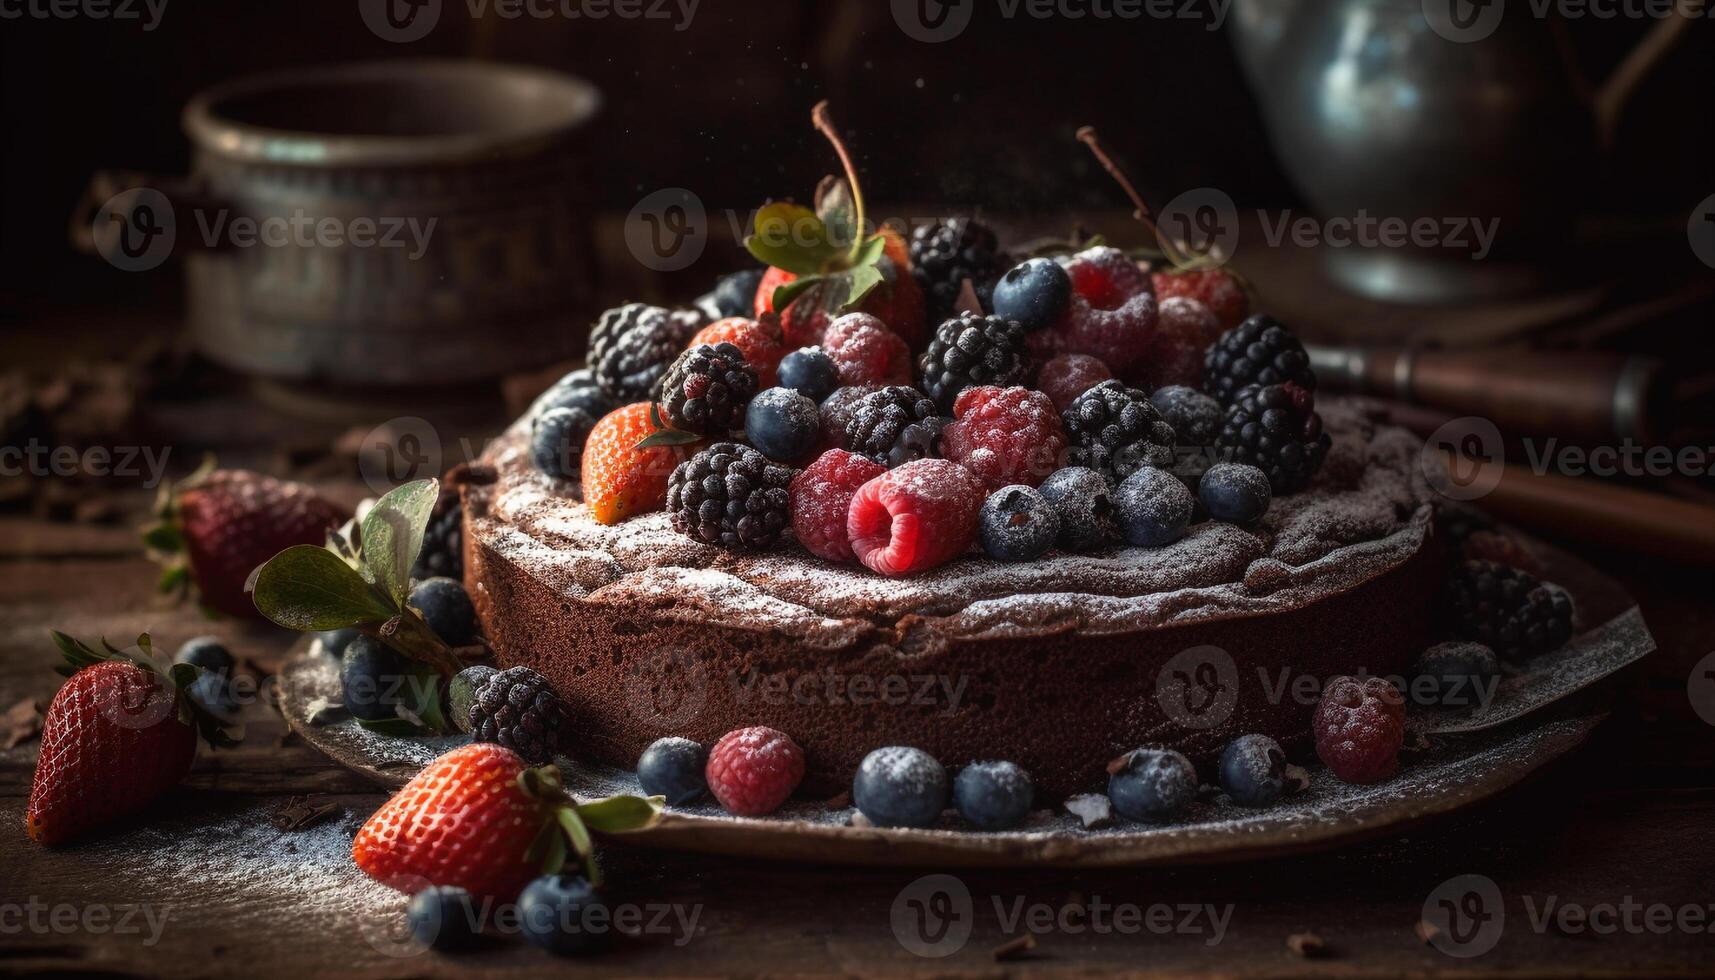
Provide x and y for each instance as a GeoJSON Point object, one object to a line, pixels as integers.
{"type": "Point", "coordinates": [482, 819]}
{"type": "Point", "coordinates": [219, 525]}
{"type": "Point", "coordinates": [120, 733]}
{"type": "Point", "coordinates": [823, 262]}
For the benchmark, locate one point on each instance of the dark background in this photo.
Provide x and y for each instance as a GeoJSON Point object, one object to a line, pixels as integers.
{"type": "Point", "coordinates": [983, 121]}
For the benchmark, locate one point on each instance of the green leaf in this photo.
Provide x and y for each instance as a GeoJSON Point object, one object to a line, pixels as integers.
{"type": "Point", "coordinates": [310, 588]}
{"type": "Point", "coordinates": [164, 538]}
{"type": "Point", "coordinates": [859, 282]}
{"type": "Point", "coordinates": [393, 727]}
{"type": "Point", "coordinates": [423, 698]}
{"type": "Point", "coordinates": [791, 237]}
{"type": "Point", "coordinates": [667, 437]}
{"type": "Point", "coordinates": [617, 814]}
{"type": "Point", "coordinates": [174, 578]}
{"type": "Point", "coordinates": [838, 211]}
{"type": "Point", "coordinates": [784, 295]}
{"type": "Point", "coordinates": [393, 534]}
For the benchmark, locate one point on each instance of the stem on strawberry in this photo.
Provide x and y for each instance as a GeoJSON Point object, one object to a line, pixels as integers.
{"type": "Point", "coordinates": [825, 125]}
{"type": "Point", "coordinates": [1140, 209]}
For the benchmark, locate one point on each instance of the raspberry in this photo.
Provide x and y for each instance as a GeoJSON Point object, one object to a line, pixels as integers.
{"type": "Point", "coordinates": [1117, 336]}
{"type": "Point", "coordinates": [1067, 376]}
{"type": "Point", "coordinates": [1216, 289]}
{"type": "Point", "coordinates": [866, 352]}
{"type": "Point", "coordinates": [1005, 435]}
{"type": "Point", "coordinates": [751, 771]}
{"type": "Point", "coordinates": [1106, 277]}
{"type": "Point", "coordinates": [915, 517]}
{"type": "Point", "coordinates": [1173, 355]}
{"type": "Point", "coordinates": [1359, 728]}
{"type": "Point", "coordinates": [822, 497]}
{"type": "Point", "coordinates": [760, 342]}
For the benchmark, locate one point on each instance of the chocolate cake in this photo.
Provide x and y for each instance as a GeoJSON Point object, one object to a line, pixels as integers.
{"type": "Point", "coordinates": [1057, 664]}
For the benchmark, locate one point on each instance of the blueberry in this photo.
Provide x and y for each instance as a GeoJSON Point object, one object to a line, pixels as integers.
{"type": "Point", "coordinates": [735, 294]}
{"type": "Point", "coordinates": [810, 372]}
{"type": "Point", "coordinates": [783, 425]}
{"type": "Point", "coordinates": [673, 767]}
{"type": "Point", "coordinates": [373, 677]}
{"type": "Point", "coordinates": [461, 693]}
{"type": "Point", "coordinates": [563, 914]}
{"type": "Point", "coordinates": [1017, 524]}
{"type": "Point", "coordinates": [335, 641]}
{"type": "Point", "coordinates": [1154, 784]}
{"type": "Point", "coordinates": [900, 786]}
{"type": "Point", "coordinates": [993, 795]}
{"type": "Point", "coordinates": [576, 390]}
{"type": "Point", "coordinates": [1196, 418]}
{"type": "Point", "coordinates": [443, 917]}
{"type": "Point", "coordinates": [1456, 675]}
{"type": "Point", "coordinates": [1253, 770]}
{"type": "Point", "coordinates": [1034, 293]}
{"type": "Point", "coordinates": [447, 608]}
{"type": "Point", "coordinates": [208, 653]}
{"type": "Point", "coordinates": [1153, 506]}
{"type": "Point", "coordinates": [1235, 492]}
{"type": "Point", "coordinates": [1080, 497]}
{"type": "Point", "coordinates": [557, 439]}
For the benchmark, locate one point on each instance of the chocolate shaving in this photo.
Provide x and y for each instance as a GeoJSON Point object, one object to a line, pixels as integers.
{"type": "Point", "coordinates": [1307, 944]}
{"type": "Point", "coordinates": [20, 723]}
{"type": "Point", "coordinates": [1015, 949]}
{"type": "Point", "coordinates": [300, 812]}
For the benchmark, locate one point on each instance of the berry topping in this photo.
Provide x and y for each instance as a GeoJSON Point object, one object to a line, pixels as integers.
{"type": "Point", "coordinates": [1106, 277]}
{"type": "Point", "coordinates": [1196, 418]}
{"type": "Point", "coordinates": [557, 441]}
{"type": "Point", "coordinates": [1507, 609]}
{"type": "Point", "coordinates": [894, 425]}
{"type": "Point", "coordinates": [1258, 351]}
{"type": "Point", "coordinates": [621, 480]}
{"type": "Point", "coordinates": [1034, 293]}
{"type": "Point", "coordinates": [993, 795]}
{"type": "Point", "coordinates": [915, 517]}
{"type": "Point", "coordinates": [1017, 523]}
{"type": "Point", "coordinates": [866, 352]}
{"type": "Point", "coordinates": [1066, 376]}
{"type": "Point", "coordinates": [1118, 336]}
{"type": "Point", "coordinates": [443, 917]}
{"type": "Point", "coordinates": [1151, 784]}
{"type": "Point", "coordinates": [517, 708]}
{"type": "Point", "coordinates": [946, 253]}
{"type": "Point", "coordinates": [1079, 495]}
{"type": "Point", "coordinates": [373, 679]}
{"type": "Point", "coordinates": [1456, 674]}
{"type": "Point", "coordinates": [1234, 492]}
{"type": "Point", "coordinates": [783, 425]}
{"type": "Point", "coordinates": [446, 607]}
{"type": "Point", "coordinates": [1152, 507]}
{"type": "Point", "coordinates": [1005, 435]}
{"type": "Point", "coordinates": [707, 388]}
{"type": "Point", "coordinates": [735, 293]}
{"type": "Point", "coordinates": [822, 497]}
{"type": "Point", "coordinates": [563, 914]}
{"type": "Point", "coordinates": [1173, 355]}
{"type": "Point", "coordinates": [973, 350]}
{"type": "Point", "coordinates": [1275, 429]}
{"type": "Point", "coordinates": [730, 495]}
{"type": "Point", "coordinates": [1216, 289]}
{"type": "Point", "coordinates": [1114, 429]}
{"type": "Point", "coordinates": [1359, 727]}
{"type": "Point", "coordinates": [578, 389]}
{"type": "Point", "coordinates": [810, 372]}
{"type": "Point", "coordinates": [751, 771]}
{"type": "Point", "coordinates": [461, 693]}
{"type": "Point", "coordinates": [899, 786]}
{"type": "Point", "coordinates": [443, 539]}
{"type": "Point", "coordinates": [631, 346]}
{"type": "Point", "coordinates": [673, 768]}
{"type": "Point", "coordinates": [1253, 770]}
{"type": "Point", "coordinates": [213, 689]}
{"type": "Point", "coordinates": [759, 341]}
{"type": "Point", "coordinates": [837, 411]}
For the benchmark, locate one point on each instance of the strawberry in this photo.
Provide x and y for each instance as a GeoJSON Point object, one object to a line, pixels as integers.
{"type": "Point", "coordinates": [218, 526]}
{"type": "Point", "coordinates": [1219, 289]}
{"type": "Point", "coordinates": [897, 302]}
{"type": "Point", "coordinates": [622, 479]}
{"type": "Point", "coordinates": [121, 732]}
{"type": "Point", "coordinates": [481, 819]}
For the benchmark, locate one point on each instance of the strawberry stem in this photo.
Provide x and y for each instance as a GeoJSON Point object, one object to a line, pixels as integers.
{"type": "Point", "coordinates": [825, 125]}
{"type": "Point", "coordinates": [1140, 209]}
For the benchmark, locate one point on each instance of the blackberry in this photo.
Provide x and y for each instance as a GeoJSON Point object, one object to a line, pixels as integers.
{"type": "Point", "coordinates": [1114, 430]}
{"type": "Point", "coordinates": [1275, 429]}
{"type": "Point", "coordinates": [632, 345]}
{"type": "Point", "coordinates": [894, 425]}
{"type": "Point", "coordinates": [442, 554]}
{"type": "Point", "coordinates": [972, 350]}
{"type": "Point", "coordinates": [946, 253]}
{"type": "Point", "coordinates": [730, 495]}
{"type": "Point", "coordinates": [1258, 351]}
{"type": "Point", "coordinates": [707, 388]}
{"type": "Point", "coordinates": [516, 708]}
{"type": "Point", "coordinates": [1458, 521]}
{"type": "Point", "coordinates": [1510, 611]}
